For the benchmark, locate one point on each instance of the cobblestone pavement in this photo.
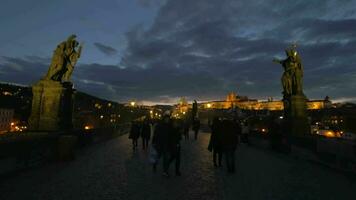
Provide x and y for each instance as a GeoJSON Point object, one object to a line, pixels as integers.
{"type": "Point", "coordinates": [112, 171]}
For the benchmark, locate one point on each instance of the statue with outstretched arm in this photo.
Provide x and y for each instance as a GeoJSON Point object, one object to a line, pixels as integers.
{"type": "Point", "coordinates": [286, 77]}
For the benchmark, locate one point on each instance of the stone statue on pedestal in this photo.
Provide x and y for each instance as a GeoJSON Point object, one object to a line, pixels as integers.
{"type": "Point", "coordinates": [194, 110]}
{"type": "Point", "coordinates": [293, 97]}
{"type": "Point", "coordinates": [52, 102]}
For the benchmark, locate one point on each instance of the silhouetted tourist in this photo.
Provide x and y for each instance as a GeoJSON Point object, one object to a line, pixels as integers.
{"type": "Point", "coordinates": [274, 132]}
{"type": "Point", "coordinates": [145, 133]}
{"type": "Point", "coordinates": [174, 148]}
{"type": "Point", "coordinates": [245, 131]}
{"type": "Point", "coordinates": [196, 127]}
{"type": "Point", "coordinates": [134, 134]}
{"type": "Point", "coordinates": [186, 129]}
{"type": "Point", "coordinates": [215, 144]}
{"type": "Point", "coordinates": [230, 138]}
{"type": "Point", "coordinates": [278, 132]}
{"type": "Point", "coordinates": [160, 141]}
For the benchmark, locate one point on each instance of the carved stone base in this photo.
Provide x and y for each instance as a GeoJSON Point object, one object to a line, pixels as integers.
{"type": "Point", "coordinates": [295, 111]}
{"type": "Point", "coordinates": [52, 106]}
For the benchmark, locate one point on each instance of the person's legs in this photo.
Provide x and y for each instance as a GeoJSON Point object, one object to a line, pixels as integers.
{"type": "Point", "coordinates": [166, 162]}
{"type": "Point", "coordinates": [177, 157]}
{"type": "Point", "coordinates": [226, 155]}
{"type": "Point", "coordinates": [232, 161]}
{"type": "Point", "coordinates": [159, 155]}
{"type": "Point", "coordinates": [214, 157]}
{"type": "Point", "coordinates": [133, 144]}
{"type": "Point", "coordinates": [220, 158]}
{"type": "Point", "coordinates": [146, 141]}
{"type": "Point", "coordinates": [228, 160]}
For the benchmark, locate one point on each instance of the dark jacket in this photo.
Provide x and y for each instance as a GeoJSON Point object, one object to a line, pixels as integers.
{"type": "Point", "coordinates": [146, 130]}
{"type": "Point", "coordinates": [161, 136]}
{"type": "Point", "coordinates": [196, 124]}
{"type": "Point", "coordinates": [174, 138]}
{"type": "Point", "coordinates": [134, 131]}
{"type": "Point", "coordinates": [230, 134]}
{"type": "Point", "coordinates": [216, 136]}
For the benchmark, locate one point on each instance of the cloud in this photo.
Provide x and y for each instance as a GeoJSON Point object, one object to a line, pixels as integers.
{"type": "Point", "coordinates": [203, 49]}
{"type": "Point", "coordinates": [105, 49]}
{"type": "Point", "coordinates": [235, 41]}
{"type": "Point", "coordinates": [147, 3]}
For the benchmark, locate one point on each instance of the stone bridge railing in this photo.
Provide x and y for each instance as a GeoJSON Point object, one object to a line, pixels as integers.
{"type": "Point", "coordinates": [22, 151]}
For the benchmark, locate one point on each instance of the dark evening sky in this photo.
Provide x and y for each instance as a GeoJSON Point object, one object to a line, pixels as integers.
{"type": "Point", "coordinates": [160, 50]}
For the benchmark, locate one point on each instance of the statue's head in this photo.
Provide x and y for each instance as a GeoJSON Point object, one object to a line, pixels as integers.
{"type": "Point", "coordinates": [75, 43]}
{"type": "Point", "coordinates": [291, 52]}
{"type": "Point", "coordinates": [71, 37]}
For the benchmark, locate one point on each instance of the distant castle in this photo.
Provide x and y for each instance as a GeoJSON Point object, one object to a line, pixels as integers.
{"type": "Point", "coordinates": [243, 102]}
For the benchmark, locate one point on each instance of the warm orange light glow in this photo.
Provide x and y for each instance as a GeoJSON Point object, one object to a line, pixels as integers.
{"type": "Point", "coordinates": [208, 105]}
{"type": "Point", "coordinates": [12, 123]}
{"type": "Point", "coordinates": [88, 127]}
{"type": "Point", "coordinates": [133, 103]}
{"type": "Point", "coordinates": [330, 134]}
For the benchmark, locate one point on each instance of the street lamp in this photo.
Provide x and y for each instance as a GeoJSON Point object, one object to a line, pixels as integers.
{"type": "Point", "coordinates": [133, 103]}
{"type": "Point", "coordinates": [208, 105]}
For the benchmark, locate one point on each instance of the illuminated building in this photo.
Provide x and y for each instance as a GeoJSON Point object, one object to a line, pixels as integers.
{"type": "Point", "coordinates": [243, 102]}
{"type": "Point", "coordinates": [6, 117]}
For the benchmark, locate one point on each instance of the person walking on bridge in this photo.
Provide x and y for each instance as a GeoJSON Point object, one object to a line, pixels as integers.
{"type": "Point", "coordinates": [174, 148]}
{"type": "Point", "coordinates": [215, 144]}
{"type": "Point", "coordinates": [134, 134]}
{"type": "Point", "coordinates": [230, 138]}
{"type": "Point", "coordinates": [196, 127]}
{"type": "Point", "coordinates": [145, 133]}
{"type": "Point", "coordinates": [160, 140]}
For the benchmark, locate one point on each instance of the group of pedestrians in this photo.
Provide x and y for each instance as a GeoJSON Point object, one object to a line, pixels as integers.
{"type": "Point", "coordinates": [140, 129]}
{"type": "Point", "coordinates": [225, 136]}
{"type": "Point", "coordinates": [167, 135]}
{"type": "Point", "coordinates": [166, 141]}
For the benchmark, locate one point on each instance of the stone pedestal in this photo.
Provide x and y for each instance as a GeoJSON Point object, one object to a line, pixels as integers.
{"type": "Point", "coordinates": [295, 111]}
{"type": "Point", "coordinates": [52, 106]}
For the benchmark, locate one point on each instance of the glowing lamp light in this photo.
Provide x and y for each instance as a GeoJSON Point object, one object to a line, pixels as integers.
{"type": "Point", "coordinates": [12, 123]}
{"type": "Point", "coordinates": [101, 116]}
{"type": "Point", "coordinates": [151, 111]}
{"type": "Point", "coordinates": [86, 127]}
{"type": "Point", "coordinates": [330, 134]}
{"type": "Point", "coordinates": [133, 103]}
{"type": "Point", "coordinates": [208, 105]}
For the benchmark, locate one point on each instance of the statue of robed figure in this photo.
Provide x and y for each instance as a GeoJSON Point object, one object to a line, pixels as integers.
{"type": "Point", "coordinates": [292, 78]}
{"type": "Point", "coordinates": [64, 59]}
{"type": "Point", "coordinates": [53, 96]}
{"type": "Point", "coordinates": [294, 100]}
